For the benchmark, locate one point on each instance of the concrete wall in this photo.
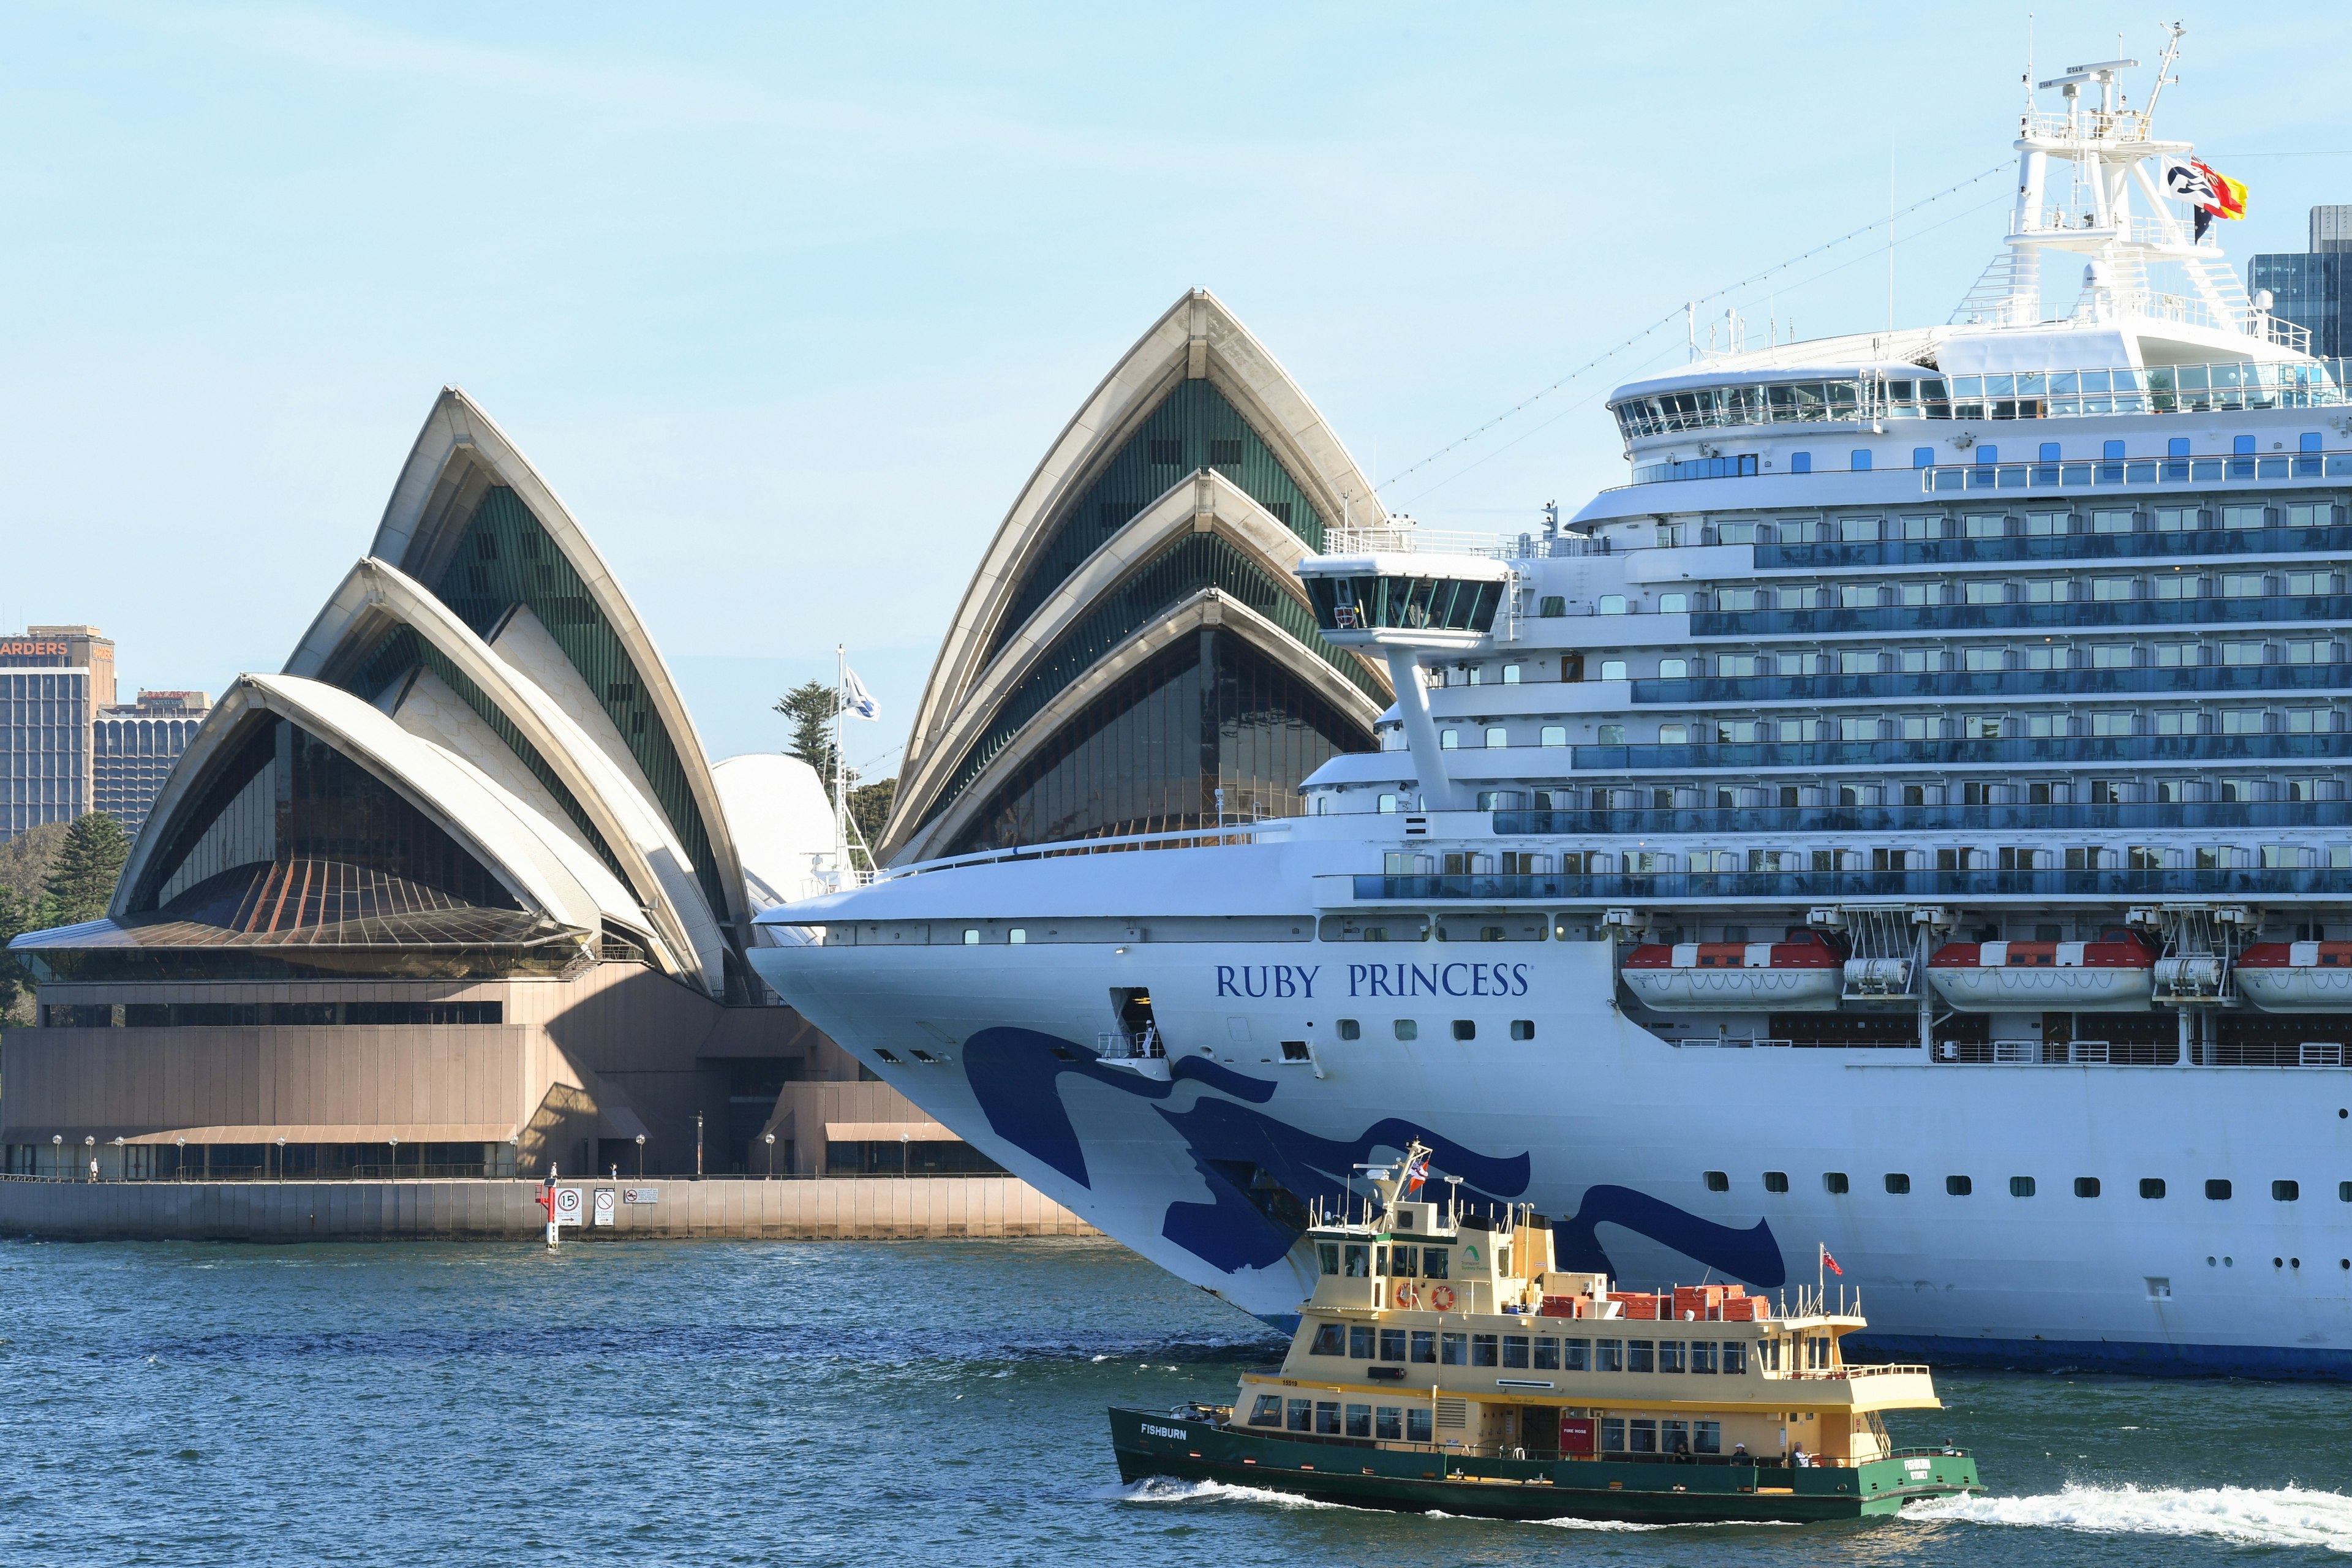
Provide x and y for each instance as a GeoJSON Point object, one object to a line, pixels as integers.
{"type": "Point", "coordinates": [863, 1209]}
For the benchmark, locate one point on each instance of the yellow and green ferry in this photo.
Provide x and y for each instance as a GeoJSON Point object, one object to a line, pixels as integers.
{"type": "Point", "coordinates": [1443, 1364]}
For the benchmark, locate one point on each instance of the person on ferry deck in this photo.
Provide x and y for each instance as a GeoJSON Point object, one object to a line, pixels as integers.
{"type": "Point", "coordinates": [1738, 1451]}
{"type": "Point", "coordinates": [1682, 1451]}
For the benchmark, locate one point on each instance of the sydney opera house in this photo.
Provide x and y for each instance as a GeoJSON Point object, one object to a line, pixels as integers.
{"type": "Point", "coordinates": [458, 891]}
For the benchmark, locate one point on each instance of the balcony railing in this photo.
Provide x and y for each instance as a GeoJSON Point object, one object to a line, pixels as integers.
{"type": "Point", "coordinates": [1834, 555]}
{"type": "Point", "coordinates": [2132, 471]}
{"type": "Point", "coordinates": [1797, 886]}
{"type": "Point", "coordinates": [2068, 749]}
{"type": "Point", "coordinates": [2009, 817]}
{"type": "Point", "coordinates": [2072, 615]}
{"type": "Point", "coordinates": [1931, 685]}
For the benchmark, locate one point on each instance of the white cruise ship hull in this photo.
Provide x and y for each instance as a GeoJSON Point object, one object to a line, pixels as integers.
{"type": "Point", "coordinates": [1598, 1123]}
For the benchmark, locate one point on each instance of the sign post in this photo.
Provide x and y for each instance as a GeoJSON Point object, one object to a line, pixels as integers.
{"type": "Point", "coordinates": [603, 1205]}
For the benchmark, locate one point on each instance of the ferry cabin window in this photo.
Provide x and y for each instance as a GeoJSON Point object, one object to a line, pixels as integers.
{"type": "Point", "coordinates": [1735, 1357]}
{"type": "Point", "coordinates": [1326, 1418]}
{"type": "Point", "coordinates": [1670, 1356]}
{"type": "Point", "coordinates": [1776, 1180]}
{"type": "Point", "coordinates": [1640, 1355]}
{"type": "Point", "coordinates": [1576, 1356]}
{"type": "Point", "coordinates": [1388, 1422]}
{"type": "Point", "coordinates": [1358, 1262]}
{"type": "Point", "coordinates": [1454, 1350]}
{"type": "Point", "coordinates": [1359, 1342]}
{"type": "Point", "coordinates": [1612, 1435]}
{"type": "Point", "coordinates": [1483, 1351]}
{"type": "Point", "coordinates": [1800, 462]}
{"type": "Point", "coordinates": [1417, 1425]}
{"type": "Point", "coordinates": [1434, 1262]}
{"type": "Point", "coordinates": [1358, 1421]}
{"type": "Point", "coordinates": [1424, 1345]}
{"type": "Point", "coordinates": [1817, 1353]}
{"type": "Point", "coordinates": [1702, 1356]}
{"type": "Point", "coordinates": [1644, 1435]}
{"type": "Point", "coordinates": [1551, 605]}
{"type": "Point", "coordinates": [1393, 1344]}
{"type": "Point", "coordinates": [1404, 1262]}
{"type": "Point", "coordinates": [1267, 1411]}
{"type": "Point", "coordinates": [1514, 1351]}
{"type": "Point", "coordinates": [2151, 1186]}
{"type": "Point", "coordinates": [1330, 1338]}
{"type": "Point", "coordinates": [1331, 1253]}
{"type": "Point", "coordinates": [1547, 1354]}
{"type": "Point", "coordinates": [1676, 604]}
{"type": "Point", "coordinates": [1301, 1415]}
{"type": "Point", "coordinates": [1609, 1355]}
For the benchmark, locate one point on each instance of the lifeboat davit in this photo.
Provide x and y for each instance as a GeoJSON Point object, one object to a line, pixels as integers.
{"type": "Point", "coordinates": [1802, 974]}
{"type": "Point", "coordinates": [2113, 975]}
{"type": "Point", "coordinates": [2297, 976]}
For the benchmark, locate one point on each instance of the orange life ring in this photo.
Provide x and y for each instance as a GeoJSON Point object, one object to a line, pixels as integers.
{"type": "Point", "coordinates": [1403, 1293]}
{"type": "Point", "coordinates": [1441, 1297]}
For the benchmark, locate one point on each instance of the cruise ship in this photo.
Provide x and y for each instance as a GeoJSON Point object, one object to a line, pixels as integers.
{"type": "Point", "coordinates": [1907, 818]}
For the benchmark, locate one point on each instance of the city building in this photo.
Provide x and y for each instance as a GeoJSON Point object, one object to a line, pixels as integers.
{"type": "Point", "coordinates": [53, 682]}
{"type": "Point", "coordinates": [456, 891]}
{"type": "Point", "coordinates": [1134, 653]}
{"type": "Point", "coordinates": [2309, 288]}
{"type": "Point", "coordinates": [132, 748]}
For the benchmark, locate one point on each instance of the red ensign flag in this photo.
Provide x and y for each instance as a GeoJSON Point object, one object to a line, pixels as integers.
{"type": "Point", "coordinates": [1832, 1262]}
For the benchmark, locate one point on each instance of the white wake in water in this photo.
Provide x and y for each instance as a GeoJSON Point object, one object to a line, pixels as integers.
{"type": "Point", "coordinates": [2288, 1516]}
{"type": "Point", "coordinates": [1162, 1489]}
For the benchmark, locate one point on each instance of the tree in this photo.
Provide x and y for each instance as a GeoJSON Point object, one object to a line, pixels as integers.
{"type": "Point", "coordinates": [18, 914]}
{"type": "Point", "coordinates": [869, 807]}
{"type": "Point", "coordinates": [811, 707]}
{"type": "Point", "coordinates": [89, 865]}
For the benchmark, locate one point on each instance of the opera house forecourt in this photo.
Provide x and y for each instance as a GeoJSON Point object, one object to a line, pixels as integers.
{"type": "Point", "coordinates": [455, 893]}
{"type": "Point", "coordinates": [1135, 653]}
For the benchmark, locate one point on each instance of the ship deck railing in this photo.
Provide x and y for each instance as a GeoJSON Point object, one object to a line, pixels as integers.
{"type": "Point", "coordinates": [1540, 1455]}
{"type": "Point", "coordinates": [1793, 887]}
{"type": "Point", "coordinates": [1238, 832]}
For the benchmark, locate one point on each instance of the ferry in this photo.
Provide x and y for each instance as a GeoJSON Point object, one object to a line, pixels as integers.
{"type": "Point", "coordinates": [1908, 815]}
{"type": "Point", "coordinates": [1443, 1364]}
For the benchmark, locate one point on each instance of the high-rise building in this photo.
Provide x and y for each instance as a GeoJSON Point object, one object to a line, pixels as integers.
{"type": "Point", "coordinates": [2309, 288]}
{"type": "Point", "coordinates": [53, 681]}
{"type": "Point", "coordinates": [133, 747]}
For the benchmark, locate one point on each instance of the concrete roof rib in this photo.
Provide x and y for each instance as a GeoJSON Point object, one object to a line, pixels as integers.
{"type": "Point", "coordinates": [1197, 337]}
{"type": "Point", "coordinates": [460, 453]}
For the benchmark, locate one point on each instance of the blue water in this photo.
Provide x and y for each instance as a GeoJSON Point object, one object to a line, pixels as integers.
{"type": "Point", "coordinates": [863, 1403]}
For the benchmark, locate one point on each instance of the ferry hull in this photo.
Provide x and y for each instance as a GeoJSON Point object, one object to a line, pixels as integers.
{"type": "Point", "coordinates": [1365, 1475]}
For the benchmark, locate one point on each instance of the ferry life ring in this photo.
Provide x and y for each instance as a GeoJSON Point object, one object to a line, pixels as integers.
{"type": "Point", "coordinates": [1403, 1293]}
{"type": "Point", "coordinates": [1441, 1297]}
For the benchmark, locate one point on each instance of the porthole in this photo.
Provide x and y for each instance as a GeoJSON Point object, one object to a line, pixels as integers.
{"type": "Point", "coordinates": [2086, 1186]}
{"type": "Point", "coordinates": [2218, 1190]}
{"type": "Point", "coordinates": [1898, 1182]}
{"type": "Point", "coordinates": [1776, 1180]}
{"type": "Point", "coordinates": [1465, 1029]}
{"type": "Point", "coordinates": [1523, 1028]}
{"type": "Point", "coordinates": [1718, 1182]}
{"type": "Point", "coordinates": [1960, 1186]}
{"type": "Point", "coordinates": [1349, 1029]}
{"type": "Point", "coordinates": [2151, 1186]}
{"type": "Point", "coordinates": [1833, 1182]}
{"type": "Point", "coordinates": [2021, 1186]}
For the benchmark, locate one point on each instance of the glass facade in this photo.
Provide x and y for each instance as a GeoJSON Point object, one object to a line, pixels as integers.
{"type": "Point", "coordinates": [45, 740]}
{"type": "Point", "coordinates": [1209, 712]}
{"type": "Point", "coordinates": [2308, 288]}
{"type": "Point", "coordinates": [504, 558]}
{"type": "Point", "coordinates": [131, 754]}
{"type": "Point", "coordinates": [1196, 562]}
{"type": "Point", "coordinates": [1193, 428]}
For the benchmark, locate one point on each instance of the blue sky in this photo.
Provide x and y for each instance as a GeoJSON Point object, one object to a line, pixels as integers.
{"type": "Point", "coordinates": [786, 302]}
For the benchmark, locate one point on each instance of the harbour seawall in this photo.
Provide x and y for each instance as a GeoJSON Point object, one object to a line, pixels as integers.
{"type": "Point", "coordinates": [861, 1208]}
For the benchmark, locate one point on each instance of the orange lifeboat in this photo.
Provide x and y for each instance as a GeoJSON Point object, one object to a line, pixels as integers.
{"type": "Point", "coordinates": [2297, 976]}
{"type": "Point", "coordinates": [1800, 975]}
{"type": "Point", "coordinates": [2115, 974]}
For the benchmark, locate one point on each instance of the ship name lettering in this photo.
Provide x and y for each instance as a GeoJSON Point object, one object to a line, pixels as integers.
{"type": "Point", "coordinates": [1464, 979]}
{"type": "Point", "coordinates": [1260, 980]}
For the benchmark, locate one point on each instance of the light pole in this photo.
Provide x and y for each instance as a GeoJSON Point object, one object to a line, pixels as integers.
{"type": "Point", "coordinates": [905, 1144]}
{"type": "Point", "coordinates": [281, 1157]}
{"type": "Point", "coordinates": [770, 1140]}
{"type": "Point", "coordinates": [58, 1155]}
{"type": "Point", "coordinates": [697, 1145]}
{"type": "Point", "coordinates": [180, 1165]}
{"type": "Point", "coordinates": [395, 1159]}
{"type": "Point", "coordinates": [122, 1160]}
{"type": "Point", "coordinates": [89, 1145]}
{"type": "Point", "coordinates": [641, 1156]}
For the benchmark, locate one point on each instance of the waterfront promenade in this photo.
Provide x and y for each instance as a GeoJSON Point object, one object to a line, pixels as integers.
{"type": "Point", "coordinates": [846, 1208]}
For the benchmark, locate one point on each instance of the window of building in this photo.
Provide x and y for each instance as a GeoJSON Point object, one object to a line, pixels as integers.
{"type": "Point", "coordinates": [2308, 652]}
{"type": "Point", "coordinates": [2111, 522]}
{"type": "Point", "coordinates": [1611, 605]}
{"type": "Point", "coordinates": [1552, 605]}
{"type": "Point", "coordinates": [2241, 721]}
{"type": "Point", "coordinates": [1800, 462]}
{"type": "Point", "coordinates": [2242, 517]}
{"type": "Point", "coordinates": [1978, 592]}
{"type": "Point", "coordinates": [1496, 736]}
{"type": "Point", "coordinates": [2176, 520]}
{"type": "Point", "coordinates": [2107, 589]}
{"type": "Point", "coordinates": [1984, 525]}
{"type": "Point", "coordinates": [2111, 655]}
{"type": "Point", "coordinates": [2242, 584]}
{"type": "Point", "coordinates": [2241, 653]}
{"type": "Point", "coordinates": [1613, 669]}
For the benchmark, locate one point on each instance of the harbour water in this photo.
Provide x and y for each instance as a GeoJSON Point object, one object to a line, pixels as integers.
{"type": "Point", "coordinates": [938, 1403]}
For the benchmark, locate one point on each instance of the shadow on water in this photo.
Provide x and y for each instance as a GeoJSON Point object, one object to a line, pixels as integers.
{"type": "Point", "coordinates": [866, 1403]}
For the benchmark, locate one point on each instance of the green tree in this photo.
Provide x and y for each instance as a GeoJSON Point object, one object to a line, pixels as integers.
{"type": "Point", "coordinates": [810, 707]}
{"type": "Point", "coordinates": [89, 864]}
{"type": "Point", "coordinates": [18, 914]}
{"type": "Point", "coordinates": [869, 808]}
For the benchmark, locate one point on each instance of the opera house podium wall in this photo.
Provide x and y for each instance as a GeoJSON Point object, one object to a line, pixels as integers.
{"type": "Point", "coordinates": [455, 893]}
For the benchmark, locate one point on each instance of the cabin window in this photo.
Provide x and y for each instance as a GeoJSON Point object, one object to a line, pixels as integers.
{"type": "Point", "coordinates": [1359, 1264]}
{"type": "Point", "coordinates": [1407, 1030]}
{"type": "Point", "coordinates": [1609, 1355]}
{"type": "Point", "coordinates": [1670, 1356]}
{"type": "Point", "coordinates": [1674, 1437]}
{"type": "Point", "coordinates": [1718, 1181]}
{"type": "Point", "coordinates": [1612, 1435]}
{"type": "Point", "coordinates": [1404, 1262]}
{"type": "Point", "coordinates": [2151, 1186]}
{"type": "Point", "coordinates": [1417, 1425]}
{"type": "Point", "coordinates": [1503, 1259]}
{"type": "Point", "coordinates": [1359, 1421]}
{"type": "Point", "coordinates": [1514, 1351]}
{"type": "Point", "coordinates": [1640, 1355]}
{"type": "Point", "coordinates": [1393, 1344]}
{"type": "Point", "coordinates": [1735, 1357]}
{"type": "Point", "coordinates": [1326, 1418]}
{"type": "Point", "coordinates": [1359, 1342]}
{"type": "Point", "coordinates": [1267, 1411]}
{"type": "Point", "coordinates": [1776, 1180]}
{"type": "Point", "coordinates": [1523, 1028]}
{"type": "Point", "coordinates": [1381, 1261]}
{"type": "Point", "coordinates": [1547, 1355]}
{"type": "Point", "coordinates": [2218, 1190]}
{"type": "Point", "coordinates": [1960, 1186]}
{"type": "Point", "coordinates": [1898, 1182]}
{"type": "Point", "coordinates": [2021, 1186]}
{"type": "Point", "coordinates": [1424, 1345]}
{"type": "Point", "coordinates": [2086, 1186]}
{"type": "Point", "coordinates": [1463, 1029]}
{"type": "Point", "coordinates": [1643, 1434]}
{"type": "Point", "coordinates": [1302, 1416]}
{"type": "Point", "coordinates": [1817, 1353]}
{"type": "Point", "coordinates": [1434, 1262]}
{"type": "Point", "coordinates": [1350, 1030]}
{"type": "Point", "coordinates": [1707, 1436]}
{"type": "Point", "coordinates": [1833, 1182]}
{"type": "Point", "coordinates": [2286, 1192]}
{"type": "Point", "coordinates": [1454, 1349]}
{"type": "Point", "coordinates": [1768, 1355]}
{"type": "Point", "coordinates": [1330, 1255]}
{"type": "Point", "coordinates": [1388, 1422]}
{"type": "Point", "coordinates": [1482, 1349]}
{"type": "Point", "coordinates": [1576, 1356]}
{"type": "Point", "coordinates": [1702, 1355]}
{"type": "Point", "coordinates": [1330, 1338]}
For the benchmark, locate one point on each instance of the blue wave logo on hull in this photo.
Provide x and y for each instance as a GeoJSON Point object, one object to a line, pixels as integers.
{"type": "Point", "coordinates": [1015, 1078]}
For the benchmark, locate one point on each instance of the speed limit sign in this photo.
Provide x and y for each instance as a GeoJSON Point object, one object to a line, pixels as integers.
{"type": "Point", "coordinates": [567, 1205]}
